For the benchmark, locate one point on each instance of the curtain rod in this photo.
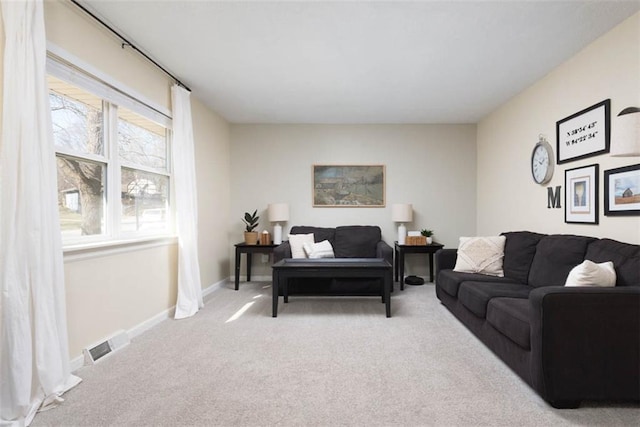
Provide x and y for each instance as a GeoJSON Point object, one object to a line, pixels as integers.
{"type": "Point", "coordinates": [126, 43]}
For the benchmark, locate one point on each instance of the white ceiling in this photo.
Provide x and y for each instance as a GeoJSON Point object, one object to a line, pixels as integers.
{"type": "Point", "coordinates": [360, 62]}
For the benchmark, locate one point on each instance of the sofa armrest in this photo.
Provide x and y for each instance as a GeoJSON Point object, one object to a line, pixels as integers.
{"type": "Point", "coordinates": [585, 343]}
{"type": "Point", "coordinates": [445, 260]}
{"type": "Point", "coordinates": [281, 252]}
{"type": "Point", "coordinates": [383, 250]}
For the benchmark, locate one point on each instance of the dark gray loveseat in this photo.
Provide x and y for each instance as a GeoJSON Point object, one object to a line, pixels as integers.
{"type": "Point", "coordinates": [353, 241]}
{"type": "Point", "coordinates": [568, 343]}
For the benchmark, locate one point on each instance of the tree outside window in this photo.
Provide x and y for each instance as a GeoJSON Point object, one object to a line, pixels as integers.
{"type": "Point", "coordinates": [136, 155]}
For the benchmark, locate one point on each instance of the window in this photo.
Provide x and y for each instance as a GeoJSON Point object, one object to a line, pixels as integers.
{"type": "Point", "coordinates": [113, 160]}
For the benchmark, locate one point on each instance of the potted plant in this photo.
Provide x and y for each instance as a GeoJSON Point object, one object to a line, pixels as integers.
{"type": "Point", "coordinates": [251, 222]}
{"type": "Point", "coordinates": [428, 234]}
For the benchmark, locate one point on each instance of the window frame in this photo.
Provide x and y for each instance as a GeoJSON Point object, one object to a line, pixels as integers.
{"type": "Point", "coordinates": [114, 95]}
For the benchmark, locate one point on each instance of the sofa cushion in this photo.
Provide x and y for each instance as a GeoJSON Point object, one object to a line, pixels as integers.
{"type": "Point", "coordinates": [590, 273]}
{"type": "Point", "coordinates": [476, 295]}
{"type": "Point", "coordinates": [356, 241]}
{"type": "Point", "coordinates": [449, 280]}
{"type": "Point", "coordinates": [625, 257]}
{"type": "Point", "coordinates": [555, 256]}
{"type": "Point", "coordinates": [481, 255]}
{"type": "Point", "coordinates": [519, 251]}
{"type": "Point", "coordinates": [319, 233]}
{"type": "Point", "coordinates": [511, 317]}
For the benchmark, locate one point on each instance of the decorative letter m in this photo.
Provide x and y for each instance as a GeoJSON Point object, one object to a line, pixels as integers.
{"type": "Point", "coordinates": [553, 197]}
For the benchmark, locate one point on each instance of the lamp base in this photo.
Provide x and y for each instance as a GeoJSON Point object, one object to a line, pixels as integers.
{"type": "Point", "coordinates": [402, 234]}
{"type": "Point", "coordinates": [277, 234]}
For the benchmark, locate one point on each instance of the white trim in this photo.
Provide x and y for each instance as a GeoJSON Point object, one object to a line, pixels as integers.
{"type": "Point", "coordinates": [88, 68]}
{"type": "Point", "coordinates": [253, 278]}
{"type": "Point", "coordinates": [70, 73]}
{"type": "Point", "coordinates": [215, 287]}
{"type": "Point", "coordinates": [78, 362]}
{"type": "Point", "coordinates": [112, 247]}
{"type": "Point", "coordinates": [96, 158]}
{"type": "Point", "coordinates": [147, 169]}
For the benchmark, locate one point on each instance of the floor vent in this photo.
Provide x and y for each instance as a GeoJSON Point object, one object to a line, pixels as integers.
{"type": "Point", "coordinates": [98, 351]}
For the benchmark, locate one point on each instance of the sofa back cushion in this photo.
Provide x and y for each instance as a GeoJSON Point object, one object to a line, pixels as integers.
{"type": "Point", "coordinates": [319, 233]}
{"type": "Point", "coordinates": [625, 258]}
{"type": "Point", "coordinates": [555, 256]}
{"type": "Point", "coordinates": [356, 241]}
{"type": "Point", "coordinates": [519, 251]}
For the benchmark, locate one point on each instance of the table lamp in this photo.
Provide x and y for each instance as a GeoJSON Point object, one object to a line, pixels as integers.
{"type": "Point", "coordinates": [402, 213]}
{"type": "Point", "coordinates": [278, 212]}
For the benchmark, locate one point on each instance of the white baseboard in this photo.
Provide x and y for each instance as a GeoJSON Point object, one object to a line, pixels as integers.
{"type": "Point", "coordinates": [253, 278]}
{"type": "Point", "coordinates": [78, 362]}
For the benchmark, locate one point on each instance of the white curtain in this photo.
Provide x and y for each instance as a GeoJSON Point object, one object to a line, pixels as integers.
{"type": "Point", "coordinates": [34, 358]}
{"type": "Point", "coordinates": [184, 178]}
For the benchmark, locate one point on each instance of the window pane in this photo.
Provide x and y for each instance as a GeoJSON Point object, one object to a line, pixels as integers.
{"type": "Point", "coordinates": [80, 197]}
{"type": "Point", "coordinates": [77, 118]}
{"type": "Point", "coordinates": [141, 141]}
{"type": "Point", "coordinates": [144, 201]}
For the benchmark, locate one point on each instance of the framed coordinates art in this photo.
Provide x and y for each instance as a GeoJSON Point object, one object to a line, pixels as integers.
{"type": "Point", "coordinates": [348, 186]}
{"type": "Point", "coordinates": [581, 195]}
{"type": "Point", "coordinates": [622, 191]}
{"type": "Point", "coordinates": [585, 133]}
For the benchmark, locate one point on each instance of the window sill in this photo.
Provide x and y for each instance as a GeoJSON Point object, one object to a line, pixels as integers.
{"type": "Point", "coordinates": [78, 252]}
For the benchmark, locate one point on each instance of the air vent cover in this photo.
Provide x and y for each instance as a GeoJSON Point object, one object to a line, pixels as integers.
{"type": "Point", "coordinates": [104, 348]}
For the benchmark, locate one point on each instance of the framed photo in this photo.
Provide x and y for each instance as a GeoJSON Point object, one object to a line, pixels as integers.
{"type": "Point", "coordinates": [585, 133]}
{"type": "Point", "coordinates": [349, 186]}
{"type": "Point", "coordinates": [622, 191]}
{"type": "Point", "coordinates": [581, 195]}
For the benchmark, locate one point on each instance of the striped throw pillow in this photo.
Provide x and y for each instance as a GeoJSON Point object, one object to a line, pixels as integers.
{"type": "Point", "coordinates": [319, 250]}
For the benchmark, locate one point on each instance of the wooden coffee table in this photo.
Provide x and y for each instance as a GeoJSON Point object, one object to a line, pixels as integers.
{"type": "Point", "coordinates": [371, 268]}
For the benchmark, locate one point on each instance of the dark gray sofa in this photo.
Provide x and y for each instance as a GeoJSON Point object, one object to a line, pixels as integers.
{"type": "Point", "coordinates": [568, 343]}
{"type": "Point", "coordinates": [353, 241]}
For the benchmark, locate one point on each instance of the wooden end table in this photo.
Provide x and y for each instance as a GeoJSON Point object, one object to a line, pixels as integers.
{"type": "Point", "coordinates": [400, 251]}
{"type": "Point", "coordinates": [249, 250]}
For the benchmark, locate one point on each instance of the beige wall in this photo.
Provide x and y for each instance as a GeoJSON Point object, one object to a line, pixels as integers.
{"type": "Point", "coordinates": [508, 199]}
{"type": "Point", "coordinates": [109, 293]}
{"type": "Point", "coordinates": [212, 152]}
{"type": "Point", "coordinates": [1, 103]}
{"type": "Point", "coordinates": [121, 291]}
{"type": "Point", "coordinates": [80, 35]}
{"type": "Point", "coordinates": [430, 166]}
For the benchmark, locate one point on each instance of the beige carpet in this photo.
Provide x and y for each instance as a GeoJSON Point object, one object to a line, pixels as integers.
{"type": "Point", "coordinates": [321, 362]}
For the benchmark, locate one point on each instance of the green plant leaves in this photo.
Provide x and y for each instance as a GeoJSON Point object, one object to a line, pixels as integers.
{"type": "Point", "coordinates": [251, 220]}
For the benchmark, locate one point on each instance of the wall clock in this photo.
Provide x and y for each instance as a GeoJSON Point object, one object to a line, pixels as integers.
{"type": "Point", "coordinates": [542, 161]}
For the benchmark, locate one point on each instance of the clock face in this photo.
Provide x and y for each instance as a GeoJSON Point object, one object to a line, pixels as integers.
{"type": "Point", "coordinates": [540, 164]}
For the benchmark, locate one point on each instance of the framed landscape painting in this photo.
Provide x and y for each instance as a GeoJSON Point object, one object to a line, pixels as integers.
{"type": "Point", "coordinates": [349, 186]}
{"type": "Point", "coordinates": [622, 191]}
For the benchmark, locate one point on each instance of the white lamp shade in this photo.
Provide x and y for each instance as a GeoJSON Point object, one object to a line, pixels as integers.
{"type": "Point", "coordinates": [278, 212]}
{"type": "Point", "coordinates": [625, 134]}
{"type": "Point", "coordinates": [402, 213]}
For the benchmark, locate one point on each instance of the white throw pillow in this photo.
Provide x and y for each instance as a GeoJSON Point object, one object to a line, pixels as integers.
{"type": "Point", "coordinates": [319, 250]}
{"type": "Point", "coordinates": [591, 274]}
{"type": "Point", "coordinates": [482, 255]}
{"type": "Point", "coordinates": [297, 241]}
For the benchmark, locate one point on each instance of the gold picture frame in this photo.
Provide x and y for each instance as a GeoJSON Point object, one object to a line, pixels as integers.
{"type": "Point", "coordinates": [348, 186]}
